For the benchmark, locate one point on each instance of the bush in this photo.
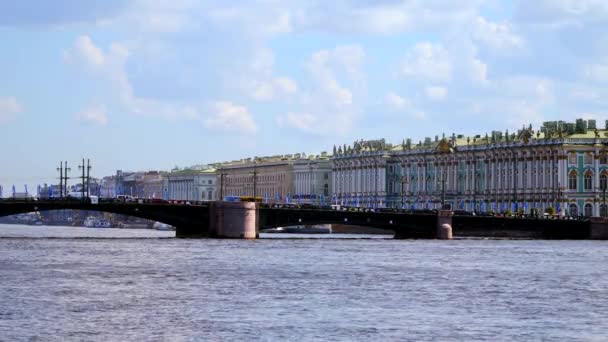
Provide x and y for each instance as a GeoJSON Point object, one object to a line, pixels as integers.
{"type": "Point", "coordinates": [550, 211]}
{"type": "Point", "coordinates": [508, 212]}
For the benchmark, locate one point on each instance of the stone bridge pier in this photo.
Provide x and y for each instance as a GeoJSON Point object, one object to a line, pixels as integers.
{"type": "Point", "coordinates": [444, 224]}
{"type": "Point", "coordinates": [239, 220]}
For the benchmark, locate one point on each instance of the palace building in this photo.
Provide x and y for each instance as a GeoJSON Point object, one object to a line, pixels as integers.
{"type": "Point", "coordinates": [561, 165]}
{"type": "Point", "coordinates": [290, 178]}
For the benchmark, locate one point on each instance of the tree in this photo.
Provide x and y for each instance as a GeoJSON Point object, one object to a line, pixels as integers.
{"type": "Point", "coordinates": [550, 211]}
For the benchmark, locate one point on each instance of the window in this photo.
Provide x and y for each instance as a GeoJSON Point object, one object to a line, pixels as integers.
{"type": "Point", "coordinates": [603, 210]}
{"type": "Point", "coordinates": [588, 181]}
{"type": "Point", "coordinates": [573, 209]}
{"type": "Point", "coordinates": [588, 210]}
{"type": "Point", "coordinates": [210, 195]}
{"type": "Point", "coordinates": [326, 175]}
{"type": "Point", "coordinates": [326, 190]}
{"type": "Point", "coordinates": [210, 182]}
{"type": "Point", "coordinates": [603, 181]}
{"type": "Point", "coordinates": [604, 158]}
{"type": "Point", "coordinates": [572, 158]}
{"type": "Point", "coordinates": [588, 158]}
{"type": "Point", "coordinates": [572, 180]}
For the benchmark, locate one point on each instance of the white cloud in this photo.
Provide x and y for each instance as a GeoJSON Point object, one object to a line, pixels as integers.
{"type": "Point", "coordinates": [301, 121]}
{"type": "Point", "coordinates": [396, 102]}
{"type": "Point", "coordinates": [84, 50]}
{"type": "Point", "coordinates": [111, 67]}
{"type": "Point", "coordinates": [261, 84]}
{"type": "Point", "coordinates": [336, 75]}
{"type": "Point", "coordinates": [9, 107]}
{"type": "Point", "coordinates": [230, 117]}
{"type": "Point", "coordinates": [420, 115]}
{"type": "Point", "coordinates": [478, 71]}
{"type": "Point", "coordinates": [596, 72]}
{"type": "Point", "coordinates": [286, 85]}
{"type": "Point", "coordinates": [436, 93]}
{"type": "Point", "coordinates": [262, 91]}
{"type": "Point", "coordinates": [562, 13]}
{"type": "Point", "coordinates": [496, 35]}
{"type": "Point", "coordinates": [323, 65]}
{"type": "Point", "coordinates": [427, 61]}
{"type": "Point", "coordinates": [94, 115]}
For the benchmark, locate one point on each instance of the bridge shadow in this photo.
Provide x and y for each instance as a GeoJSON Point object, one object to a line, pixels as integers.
{"type": "Point", "coordinates": [406, 226]}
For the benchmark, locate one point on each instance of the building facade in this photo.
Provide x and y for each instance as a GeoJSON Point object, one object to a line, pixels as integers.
{"type": "Point", "coordinates": [197, 183]}
{"type": "Point", "coordinates": [562, 165]}
{"type": "Point", "coordinates": [270, 178]}
{"type": "Point", "coordinates": [312, 179]}
{"type": "Point", "coordinates": [359, 174]}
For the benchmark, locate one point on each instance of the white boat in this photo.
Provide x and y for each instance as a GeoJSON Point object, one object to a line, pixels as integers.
{"type": "Point", "coordinates": [314, 229]}
{"type": "Point", "coordinates": [162, 226]}
{"type": "Point", "coordinates": [94, 222]}
{"type": "Point", "coordinates": [274, 230]}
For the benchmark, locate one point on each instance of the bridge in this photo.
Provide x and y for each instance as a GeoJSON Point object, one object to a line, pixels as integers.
{"type": "Point", "coordinates": [246, 219]}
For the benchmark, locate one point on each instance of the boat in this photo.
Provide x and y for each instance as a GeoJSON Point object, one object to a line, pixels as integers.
{"type": "Point", "coordinates": [274, 230]}
{"type": "Point", "coordinates": [316, 229]}
{"type": "Point", "coordinates": [94, 222]}
{"type": "Point", "coordinates": [162, 226]}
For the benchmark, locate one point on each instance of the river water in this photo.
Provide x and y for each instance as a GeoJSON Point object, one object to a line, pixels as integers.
{"type": "Point", "coordinates": [78, 284]}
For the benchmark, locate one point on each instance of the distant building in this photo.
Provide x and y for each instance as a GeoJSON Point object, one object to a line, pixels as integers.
{"type": "Point", "coordinates": [109, 186]}
{"type": "Point", "coordinates": [50, 191]}
{"type": "Point", "coordinates": [152, 184]}
{"type": "Point", "coordinates": [277, 179]}
{"type": "Point", "coordinates": [561, 165]}
{"type": "Point", "coordinates": [312, 179]}
{"type": "Point", "coordinates": [191, 184]}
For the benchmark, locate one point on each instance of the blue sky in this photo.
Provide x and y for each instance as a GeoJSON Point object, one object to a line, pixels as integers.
{"type": "Point", "coordinates": [151, 84]}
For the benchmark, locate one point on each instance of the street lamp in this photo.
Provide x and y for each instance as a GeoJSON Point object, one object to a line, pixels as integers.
{"type": "Point", "coordinates": [255, 178]}
{"type": "Point", "coordinates": [221, 184]}
{"type": "Point", "coordinates": [444, 147]}
{"type": "Point", "coordinates": [403, 181]}
{"type": "Point", "coordinates": [603, 187]}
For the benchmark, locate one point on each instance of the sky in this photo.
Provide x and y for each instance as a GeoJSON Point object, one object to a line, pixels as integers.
{"type": "Point", "coordinates": [154, 84]}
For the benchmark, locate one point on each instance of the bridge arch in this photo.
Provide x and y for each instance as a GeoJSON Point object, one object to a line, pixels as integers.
{"type": "Point", "coordinates": [184, 217]}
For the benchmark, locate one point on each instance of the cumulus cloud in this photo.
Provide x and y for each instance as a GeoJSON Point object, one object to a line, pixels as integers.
{"type": "Point", "coordinates": [94, 115]}
{"type": "Point", "coordinates": [496, 35]}
{"type": "Point", "coordinates": [262, 84]}
{"type": "Point", "coordinates": [110, 66]}
{"type": "Point", "coordinates": [427, 61]}
{"type": "Point", "coordinates": [396, 102]}
{"type": "Point", "coordinates": [228, 116]}
{"type": "Point", "coordinates": [302, 121]}
{"type": "Point", "coordinates": [596, 72]}
{"type": "Point", "coordinates": [561, 13]}
{"type": "Point", "coordinates": [436, 93]}
{"type": "Point", "coordinates": [324, 64]}
{"type": "Point", "coordinates": [85, 51]}
{"type": "Point", "coordinates": [9, 107]}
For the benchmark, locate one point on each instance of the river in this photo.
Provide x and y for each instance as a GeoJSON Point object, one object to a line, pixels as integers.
{"type": "Point", "coordinates": [75, 284]}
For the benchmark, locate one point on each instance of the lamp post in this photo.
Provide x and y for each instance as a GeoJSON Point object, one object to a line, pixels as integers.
{"type": "Point", "coordinates": [444, 147]}
{"type": "Point", "coordinates": [255, 178]}
{"type": "Point", "coordinates": [221, 184]}
{"type": "Point", "coordinates": [442, 181]}
{"type": "Point", "coordinates": [559, 198]}
{"type": "Point", "coordinates": [603, 188]}
{"type": "Point", "coordinates": [403, 181]}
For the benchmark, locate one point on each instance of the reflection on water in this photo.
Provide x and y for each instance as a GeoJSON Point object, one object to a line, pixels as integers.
{"type": "Point", "coordinates": [14, 231]}
{"type": "Point", "coordinates": [164, 289]}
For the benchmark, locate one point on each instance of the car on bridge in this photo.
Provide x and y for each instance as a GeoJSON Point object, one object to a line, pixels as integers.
{"type": "Point", "coordinates": [125, 198]}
